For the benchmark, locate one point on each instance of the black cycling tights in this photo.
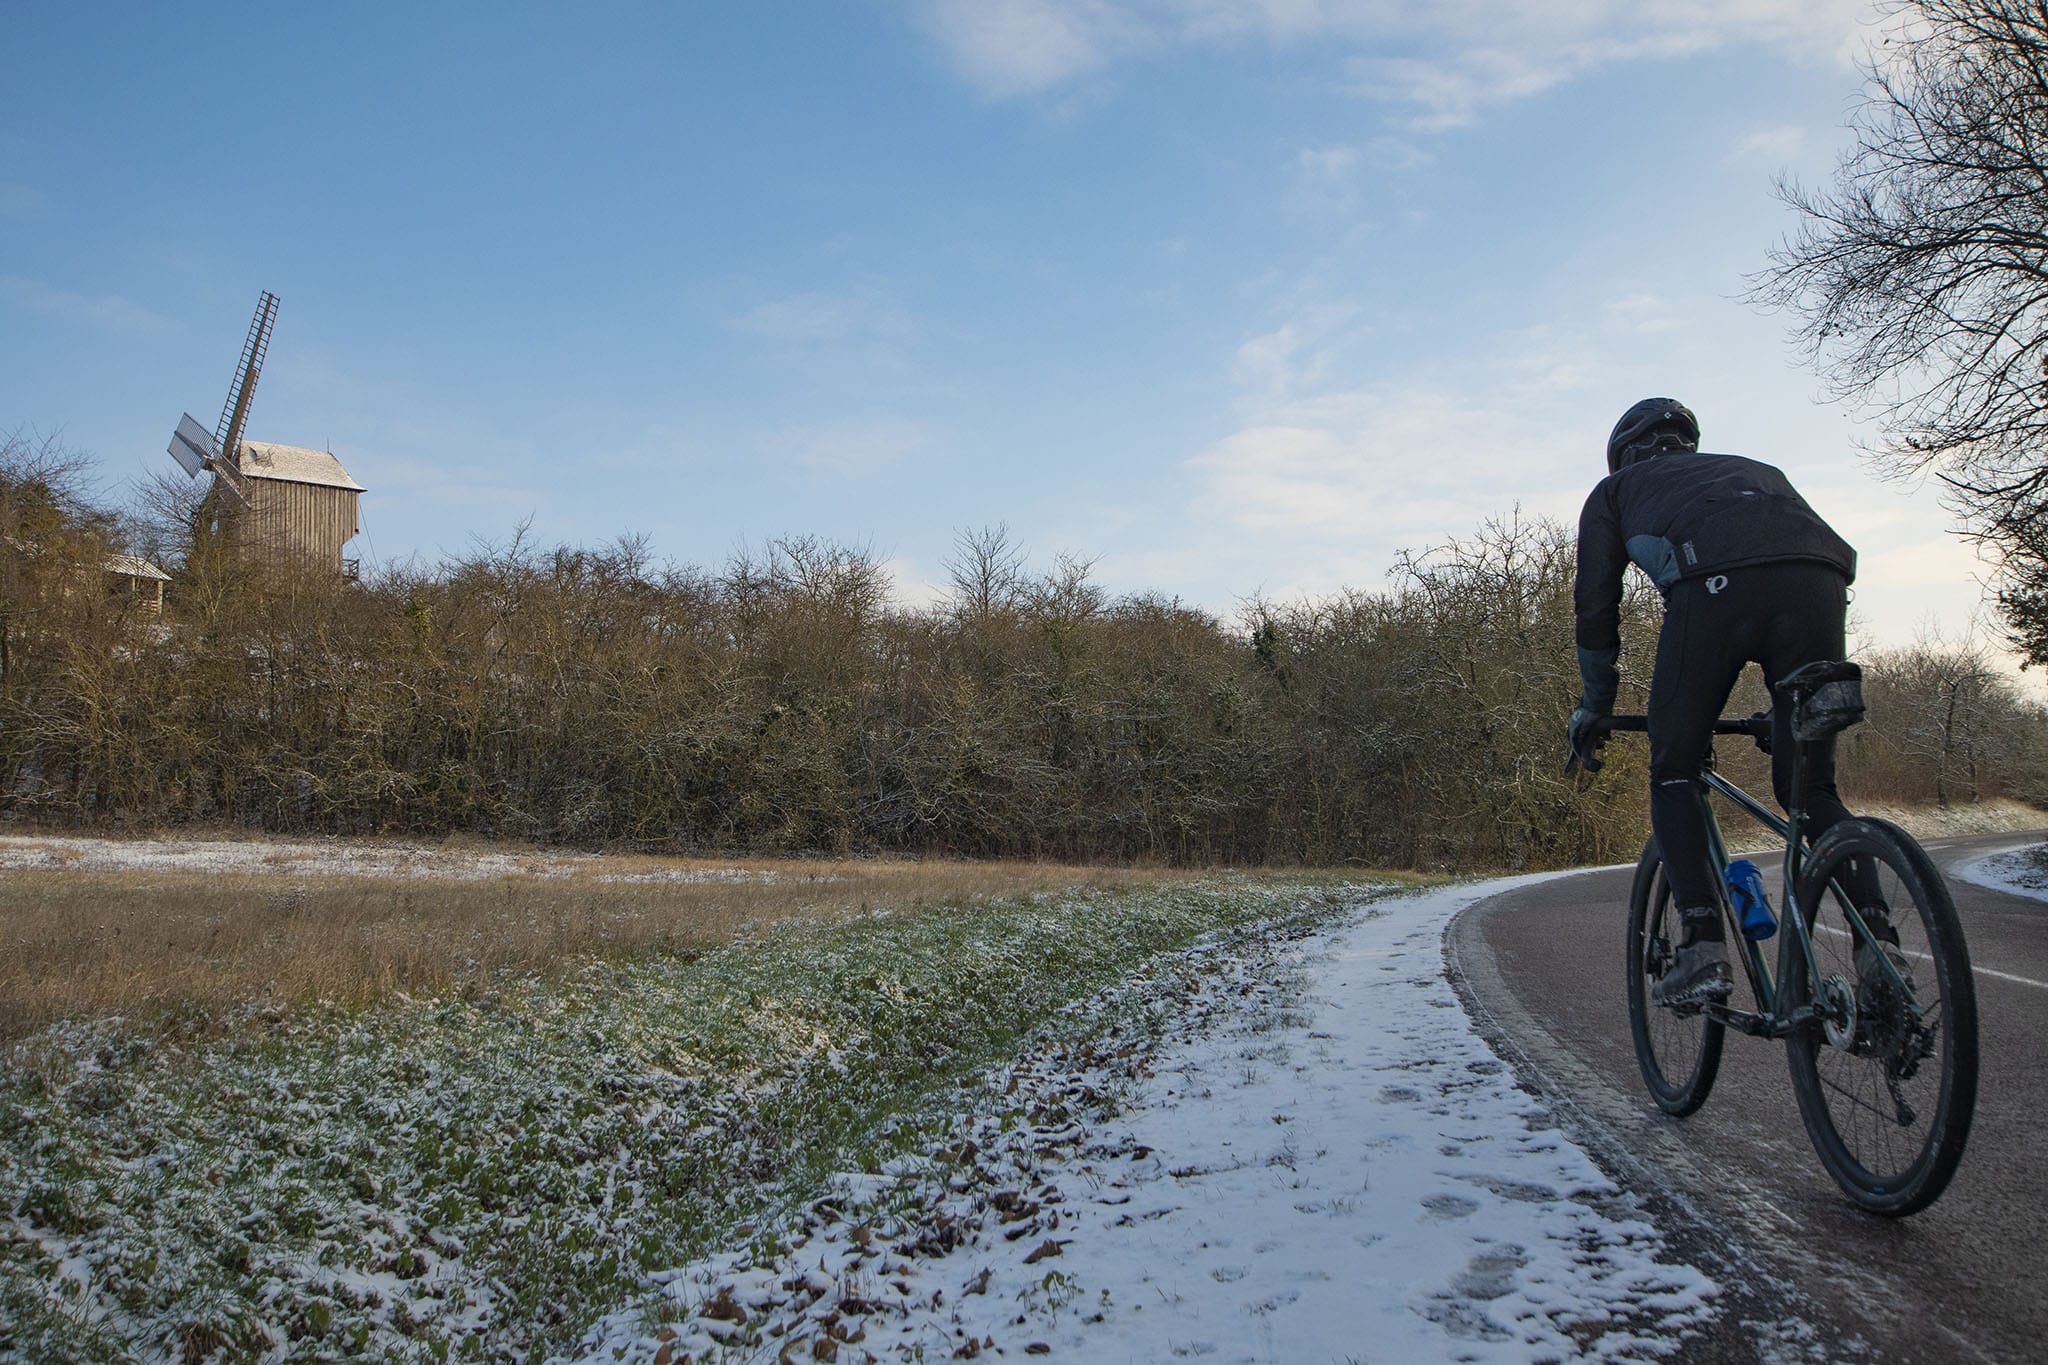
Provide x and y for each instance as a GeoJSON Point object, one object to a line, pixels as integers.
{"type": "Point", "coordinates": [1781, 616]}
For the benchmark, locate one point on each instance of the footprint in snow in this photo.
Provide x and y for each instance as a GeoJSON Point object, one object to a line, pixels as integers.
{"type": "Point", "coordinates": [1491, 1274]}
{"type": "Point", "coordinates": [1521, 1192]}
{"type": "Point", "coordinates": [1463, 1319]}
{"type": "Point", "coordinates": [1448, 1206]}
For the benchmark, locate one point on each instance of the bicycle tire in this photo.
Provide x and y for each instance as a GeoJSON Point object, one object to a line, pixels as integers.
{"type": "Point", "coordinates": [1679, 1050]}
{"type": "Point", "coordinates": [1889, 1134]}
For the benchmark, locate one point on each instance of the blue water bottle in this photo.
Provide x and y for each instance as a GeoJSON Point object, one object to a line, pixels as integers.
{"type": "Point", "coordinates": [1746, 894]}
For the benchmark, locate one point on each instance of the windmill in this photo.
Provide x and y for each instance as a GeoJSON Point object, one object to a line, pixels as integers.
{"type": "Point", "coordinates": [194, 447]}
{"type": "Point", "coordinates": [279, 501]}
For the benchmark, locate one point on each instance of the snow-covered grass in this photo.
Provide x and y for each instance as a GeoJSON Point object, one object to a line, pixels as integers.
{"type": "Point", "coordinates": [1290, 1147]}
{"type": "Point", "coordinates": [481, 1175]}
{"type": "Point", "coordinates": [352, 858]}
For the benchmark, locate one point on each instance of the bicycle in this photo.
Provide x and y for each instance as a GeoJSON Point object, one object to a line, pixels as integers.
{"type": "Point", "coordinates": [1881, 1039]}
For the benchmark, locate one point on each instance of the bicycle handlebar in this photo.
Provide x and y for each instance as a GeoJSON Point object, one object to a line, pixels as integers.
{"type": "Point", "coordinates": [1757, 727]}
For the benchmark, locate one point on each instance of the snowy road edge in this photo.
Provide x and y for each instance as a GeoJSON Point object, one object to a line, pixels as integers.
{"type": "Point", "coordinates": [1705, 1220]}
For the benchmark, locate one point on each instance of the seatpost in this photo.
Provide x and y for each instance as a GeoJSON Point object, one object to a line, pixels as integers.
{"type": "Point", "coordinates": [1795, 818]}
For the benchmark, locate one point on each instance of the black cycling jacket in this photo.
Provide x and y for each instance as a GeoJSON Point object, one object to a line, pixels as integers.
{"type": "Point", "coordinates": [1684, 515]}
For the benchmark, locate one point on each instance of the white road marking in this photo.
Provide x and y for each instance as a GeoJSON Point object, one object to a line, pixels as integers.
{"type": "Point", "coordinates": [1981, 971]}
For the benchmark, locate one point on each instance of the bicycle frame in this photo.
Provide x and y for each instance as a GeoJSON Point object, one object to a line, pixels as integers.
{"type": "Point", "coordinates": [1791, 827]}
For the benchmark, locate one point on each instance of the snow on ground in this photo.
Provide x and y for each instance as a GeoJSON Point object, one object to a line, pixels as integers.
{"type": "Point", "coordinates": [338, 857]}
{"type": "Point", "coordinates": [1317, 1159]}
{"type": "Point", "coordinates": [2018, 871]}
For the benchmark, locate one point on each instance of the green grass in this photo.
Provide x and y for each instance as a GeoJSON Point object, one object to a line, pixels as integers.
{"type": "Point", "coordinates": [475, 1177]}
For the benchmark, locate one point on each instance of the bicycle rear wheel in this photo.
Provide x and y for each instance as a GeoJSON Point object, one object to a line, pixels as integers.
{"type": "Point", "coordinates": [1887, 1075]}
{"type": "Point", "coordinates": [1678, 1048]}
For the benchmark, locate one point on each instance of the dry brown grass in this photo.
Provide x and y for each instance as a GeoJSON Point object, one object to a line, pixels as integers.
{"type": "Point", "coordinates": [93, 942]}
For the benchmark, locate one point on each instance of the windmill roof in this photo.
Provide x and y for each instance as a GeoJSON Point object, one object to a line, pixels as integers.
{"type": "Point", "coordinates": [294, 464]}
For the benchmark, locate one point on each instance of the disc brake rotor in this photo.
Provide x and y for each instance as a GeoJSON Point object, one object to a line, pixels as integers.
{"type": "Point", "coordinates": [1838, 1011]}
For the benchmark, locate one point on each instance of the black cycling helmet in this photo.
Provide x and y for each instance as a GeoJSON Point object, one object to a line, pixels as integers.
{"type": "Point", "coordinates": [1649, 418]}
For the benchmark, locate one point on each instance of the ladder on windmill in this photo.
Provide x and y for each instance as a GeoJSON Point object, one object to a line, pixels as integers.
{"type": "Point", "coordinates": [234, 413]}
{"type": "Point", "coordinates": [220, 450]}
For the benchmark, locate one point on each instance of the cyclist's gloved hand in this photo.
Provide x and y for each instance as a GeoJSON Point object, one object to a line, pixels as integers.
{"type": "Point", "coordinates": [1587, 736]}
{"type": "Point", "coordinates": [1761, 721]}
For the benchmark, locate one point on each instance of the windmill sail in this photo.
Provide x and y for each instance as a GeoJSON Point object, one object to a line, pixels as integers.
{"type": "Point", "coordinates": [192, 445]}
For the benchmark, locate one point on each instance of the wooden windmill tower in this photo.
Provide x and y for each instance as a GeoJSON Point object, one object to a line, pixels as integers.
{"type": "Point", "coordinates": [274, 503]}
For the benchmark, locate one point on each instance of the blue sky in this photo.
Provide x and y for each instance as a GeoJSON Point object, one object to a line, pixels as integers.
{"type": "Point", "coordinates": [1231, 296]}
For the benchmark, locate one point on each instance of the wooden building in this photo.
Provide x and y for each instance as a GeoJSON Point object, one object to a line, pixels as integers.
{"type": "Point", "coordinates": [294, 503]}
{"type": "Point", "coordinates": [129, 576]}
{"type": "Point", "coordinates": [135, 577]}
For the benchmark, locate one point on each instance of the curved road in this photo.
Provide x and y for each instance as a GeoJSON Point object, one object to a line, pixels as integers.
{"type": "Point", "coordinates": [1808, 1275]}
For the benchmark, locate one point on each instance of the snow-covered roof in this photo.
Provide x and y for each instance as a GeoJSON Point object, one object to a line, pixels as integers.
{"type": "Point", "coordinates": [294, 464]}
{"type": "Point", "coordinates": [134, 566]}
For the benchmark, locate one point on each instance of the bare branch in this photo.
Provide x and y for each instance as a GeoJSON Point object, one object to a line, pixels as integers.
{"type": "Point", "coordinates": [1919, 279]}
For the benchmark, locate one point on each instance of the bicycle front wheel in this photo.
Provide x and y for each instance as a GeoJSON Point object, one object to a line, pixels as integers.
{"type": "Point", "coordinates": [1886, 1071]}
{"type": "Point", "coordinates": [1678, 1047]}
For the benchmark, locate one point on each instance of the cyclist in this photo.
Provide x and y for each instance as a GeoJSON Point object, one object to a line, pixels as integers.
{"type": "Point", "coordinates": [1749, 572]}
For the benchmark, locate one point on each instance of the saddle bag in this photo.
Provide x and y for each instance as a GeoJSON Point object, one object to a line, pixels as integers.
{"type": "Point", "coordinates": [1826, 699]}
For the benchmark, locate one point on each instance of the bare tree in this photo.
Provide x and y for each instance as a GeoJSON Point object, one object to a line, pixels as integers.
{"type": "Point", "coordinates": [1945, 723]}
{"type": "Point", "coordinates": [1920, 277]}
{"type": "Point", "coordinates": [987, 571]}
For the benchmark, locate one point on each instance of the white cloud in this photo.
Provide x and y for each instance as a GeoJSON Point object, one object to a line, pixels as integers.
{"type": "Point", "coordinates": [909, 587]}
{"type": "Point", "coordinates": [1267, 361]}
{"type": "Point", "coordinates": [855, 447]}
{"type": "Point", "coordinates": [1641, 313]}
{"type": "Point", "coordinates": [1340, 177]}
{"type": "Point", "coordinates": [108, 310]}
{"type": "Point", "coordinates": [1448, 91]}
{"type": "Point", "coordinates": [1399, 465]}
{"type": "Point", "coordinates": [1446, 62]}
{"type": "Point", "coordinates": [1328, 163]}
{"type": "Point", "coordinates": [1772, 146]}
{"type": "Point", "coordinates": [1300, 354]}
{"type": "Point", "coordinates": [826, 315]}
{"type": "Point", "coordinates": [1017, 47]}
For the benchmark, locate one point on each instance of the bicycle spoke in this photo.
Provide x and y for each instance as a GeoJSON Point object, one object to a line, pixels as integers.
{"type": "Point", "coordinates": [1854, 1098]}
{"type": "Point", "coordinates": [1678, 1049]}
{"type": "Point", "coordinates": [1888, 1092]}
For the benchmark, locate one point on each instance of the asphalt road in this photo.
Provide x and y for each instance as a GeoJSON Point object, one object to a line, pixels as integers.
{"type": "Point", "coordinates": [1541, 968]}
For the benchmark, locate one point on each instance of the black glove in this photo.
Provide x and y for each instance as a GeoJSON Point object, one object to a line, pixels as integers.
{"type": "Point", "coordinates": [1587, 735]}
{"type": "Point", "coordinates": [1761, 723]}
